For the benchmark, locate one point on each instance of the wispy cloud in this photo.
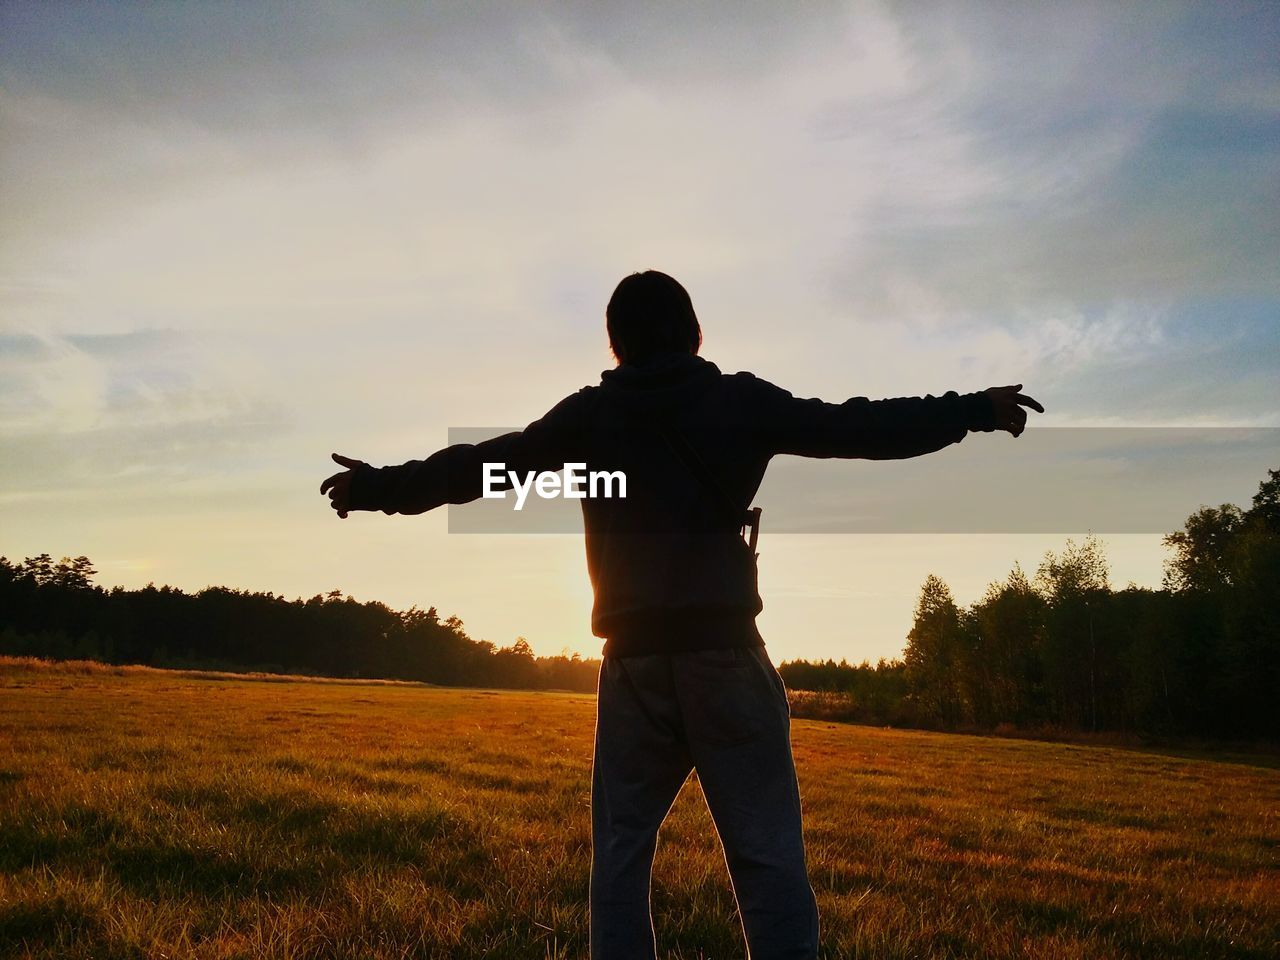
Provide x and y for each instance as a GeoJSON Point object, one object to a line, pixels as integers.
{"type": "Point", "coordinates": [92, 413]}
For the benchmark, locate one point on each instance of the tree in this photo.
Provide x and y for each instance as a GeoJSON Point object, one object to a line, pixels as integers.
{"type": "Point", "coordinates": [1010, 622]}
{"type": "Point", "coordinates": [1266, 502]}
{"type": "Point", "coordinates": [933, 654]}
{"type": "Point", "coordinates": [1225, 568]}
{"type": "Point", "coordinates": [1202, 549]}
{"type": "Point", "coordinates": [1075, 584]}
{"type": "Point", "coordinates": [1250, 649]}
{"type": "Point", "coordinates": [74, 574]}
{"type": "Point", "coordinates": [39, 569]}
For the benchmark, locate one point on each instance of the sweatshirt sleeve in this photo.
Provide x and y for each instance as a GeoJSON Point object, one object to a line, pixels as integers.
{"type": "Point", "coordinates": [891, 429]}
{"type": "Point", "coordinates": [455, 474]}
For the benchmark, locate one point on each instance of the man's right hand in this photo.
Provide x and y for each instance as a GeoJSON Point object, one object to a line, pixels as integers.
{"type": "Point", "coordinates": [338, 487]}
{"type": "Point", "coordinates": [1007, 403]}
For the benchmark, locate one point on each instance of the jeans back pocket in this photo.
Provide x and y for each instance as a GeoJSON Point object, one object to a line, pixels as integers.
{"type": "Point", "coordinates": [724, 696]}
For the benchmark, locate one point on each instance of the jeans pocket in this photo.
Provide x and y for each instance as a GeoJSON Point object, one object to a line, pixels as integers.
{"type": "Point", "coordinates": [723, 698]}
{"type": "Point", "coordinates": [761, 656]}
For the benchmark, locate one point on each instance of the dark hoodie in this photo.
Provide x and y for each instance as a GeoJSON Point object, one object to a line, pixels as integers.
{"type": "Point", "coordinates": [669, 570]}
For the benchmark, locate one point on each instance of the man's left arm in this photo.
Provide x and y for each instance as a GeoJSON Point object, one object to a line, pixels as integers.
{"type": "Point", "coordinates": [889, 429]}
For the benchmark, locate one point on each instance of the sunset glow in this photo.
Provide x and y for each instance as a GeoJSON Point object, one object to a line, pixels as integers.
{"type": "Point", "coordinates": [238, 240]}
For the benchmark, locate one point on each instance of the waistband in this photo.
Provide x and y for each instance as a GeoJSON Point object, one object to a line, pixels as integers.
{"type": "Point", "coordinates": [682, 632]}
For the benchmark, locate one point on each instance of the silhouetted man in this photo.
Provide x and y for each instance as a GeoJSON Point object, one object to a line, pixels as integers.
{"type": "Point", "coordinates": [685, 683]}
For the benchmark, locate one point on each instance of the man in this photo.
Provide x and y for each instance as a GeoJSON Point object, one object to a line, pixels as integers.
{"type": "Point", "coordinates": [685, 683]}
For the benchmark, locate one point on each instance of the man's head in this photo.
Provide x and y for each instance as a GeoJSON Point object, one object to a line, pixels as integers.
{"type": "Point", "coordinates": [649, 315]}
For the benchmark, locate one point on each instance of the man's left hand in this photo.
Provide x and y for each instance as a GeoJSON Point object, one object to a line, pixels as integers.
{"type": "Point", "coordinates": [1008, 403]}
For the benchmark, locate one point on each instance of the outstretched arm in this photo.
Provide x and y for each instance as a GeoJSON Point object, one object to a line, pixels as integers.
{"type": "Point", "coordinates": [454, 474]}
{"type": "Point", "coordinates": [888, 429]}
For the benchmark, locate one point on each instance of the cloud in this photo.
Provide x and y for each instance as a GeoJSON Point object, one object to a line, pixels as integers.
{"type": "Point", "coordinates": [1109, 152]}
{"type": "Point", "coordinates": [99, 412]}
{"type": "Point", "coordinates": [76, 383]}
{"type": "Point", "coordinates": [105, 107]}
{"type": "Point", "coordinates": [237, 236]}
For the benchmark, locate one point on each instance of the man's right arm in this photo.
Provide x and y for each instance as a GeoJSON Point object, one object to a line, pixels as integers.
{"type": "Point", "coordinates": [455, 474]}
{"type": "Point", "coordinates": [451, 475]}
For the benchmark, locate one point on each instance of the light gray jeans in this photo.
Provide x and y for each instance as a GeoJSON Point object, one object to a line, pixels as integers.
{"type": "Point", "coordinates": [723, 713]}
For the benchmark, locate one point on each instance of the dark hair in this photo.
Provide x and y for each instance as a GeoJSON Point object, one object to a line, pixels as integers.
{"type": "Point", "coordinates": [650, 314]}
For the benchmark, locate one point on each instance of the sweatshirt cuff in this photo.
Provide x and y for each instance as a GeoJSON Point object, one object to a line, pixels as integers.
{"type": "Point", "coordinates": [980, 412]}
{"type": "Point", "coordinates": [365, 492]}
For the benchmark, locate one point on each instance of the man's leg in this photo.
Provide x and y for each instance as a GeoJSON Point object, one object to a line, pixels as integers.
{"type": "Point", "coordinates": [739, 727]}
{"type": "Point", "coordinates": [641, 761]}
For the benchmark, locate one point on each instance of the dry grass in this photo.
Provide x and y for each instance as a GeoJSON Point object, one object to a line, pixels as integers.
{"type": "Point", "coordinates": [149, 814]}
{"type": "Point", "coordinates": [10, 666]}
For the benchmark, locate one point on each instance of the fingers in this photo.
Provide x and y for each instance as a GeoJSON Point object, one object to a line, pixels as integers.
{"type": "Point", "coordinates": [338, 488]}
{"type": "Point", "coordinates": [1029, 402]}
{"type": "Point", "coordinates": [332, 483]}
{"type": "Point", "coordinates": [338, 500]}
{"type": "Point", "coordinates": [1014, 421]}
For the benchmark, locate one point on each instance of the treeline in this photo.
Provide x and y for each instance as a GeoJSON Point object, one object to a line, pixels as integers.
{"type": "Point", "coordinates": [861, 693]}
{"type": "Point", "coordinates": [53, 609]}
{"type": "Point", "coordinates": [1059, 649]}
{"type": "Point", "coordinates": [1063, 649]}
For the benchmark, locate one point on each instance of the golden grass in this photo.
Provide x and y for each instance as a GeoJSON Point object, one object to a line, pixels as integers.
{"type": "Point", "coordinates": [15, 665]}
{"type": "Point", "coordinates": [149, 814]}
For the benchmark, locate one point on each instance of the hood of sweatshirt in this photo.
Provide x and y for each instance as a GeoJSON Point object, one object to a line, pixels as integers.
{"type": "Point", "coordinates": [661, 385]}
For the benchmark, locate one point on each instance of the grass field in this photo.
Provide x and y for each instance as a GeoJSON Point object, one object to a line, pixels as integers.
{"type": "Point", "coordinates": [153, 814]}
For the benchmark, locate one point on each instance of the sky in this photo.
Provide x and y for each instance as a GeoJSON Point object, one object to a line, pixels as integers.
{"type": "Point", "coordinates": [237, 237]}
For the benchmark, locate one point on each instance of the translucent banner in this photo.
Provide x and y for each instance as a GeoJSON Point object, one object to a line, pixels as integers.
{"type": "Point", "coordinates": [1059, 480]}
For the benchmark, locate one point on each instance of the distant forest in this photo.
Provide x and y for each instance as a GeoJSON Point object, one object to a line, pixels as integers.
{"type": "Point", "coordinates": [1060, 649]}
{"type": "Point", "coordinates": [53, 610]}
